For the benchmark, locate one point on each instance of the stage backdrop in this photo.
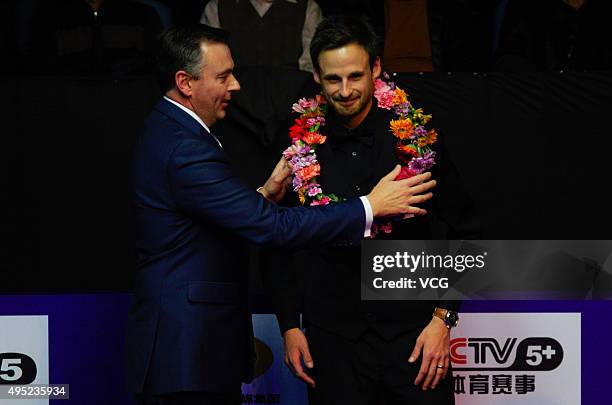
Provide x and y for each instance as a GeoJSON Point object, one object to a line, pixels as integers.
{"type": "Point", "coordinates": [519, 353]}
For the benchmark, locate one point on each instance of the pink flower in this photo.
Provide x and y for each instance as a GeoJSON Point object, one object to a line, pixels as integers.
{"type": "Point", "coordinates": [290, 152]}
{"type": "Point", "coordinates": [385, 100]}
{"type": "Point", "coordinates": [298, 108]}
{"type": "Point", "coordinates": [378, 227]}
{"type": "Point", "coordinates": [323, 201]}
{"type": "Point", "coordinates": [309, 103]}
{"type": "Point", "coordinates": [386, 227]}
{"type": "Point", "coordinates": [314, 189]}
{"type": "Point", "coordinates": [381, 86]}
{"type": "Point", "coordinates": [384, 93]}
{"type": "Point", "coordinates": [405, 173]}
{"type": "Point", "coordinates": [305, 104]}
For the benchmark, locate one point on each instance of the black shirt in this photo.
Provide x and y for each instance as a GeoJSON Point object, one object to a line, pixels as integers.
{"type": "Point", "coordinates": [325, 283]}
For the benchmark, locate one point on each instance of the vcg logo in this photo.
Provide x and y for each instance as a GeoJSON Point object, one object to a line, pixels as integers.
{"type": "Point", "coordinates": [490, 354]}
{"type": "Point", "coordinates": [16, 368]}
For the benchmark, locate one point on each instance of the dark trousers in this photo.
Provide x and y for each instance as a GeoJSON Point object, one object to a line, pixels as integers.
{"type": "Point", "coordinates": [369, 371]}
{"type": "Point", "coordinates": [191, 398]}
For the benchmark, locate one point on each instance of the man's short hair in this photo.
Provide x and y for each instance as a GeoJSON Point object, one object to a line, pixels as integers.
{"type": "Point", "coordinates": [340, 30]}
{"type": "Point", "coordinates": [180, 49]}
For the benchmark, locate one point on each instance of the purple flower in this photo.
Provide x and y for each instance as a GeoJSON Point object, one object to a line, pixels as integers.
{"type": "Point", "coordinates": [295, 161]}
{"type": "Point", "coordinates": [297, 183]}
{"type": "Point", "coordinates": [403, 109]}
{"type": "Point", "coordinates": [299, 162]}
{"type": "Point", "coordinates": [416, 165]}
{"type": "Point", "coordinates": [430, 155]}
{"type": "Point", "coordinates": [420, 164]}
{"type": "Point", "coordinates": [304, 150]}
{"type": "Point", "coordinates": [420, 131]}
{"type": "Point", "coordinates": [309, 160]}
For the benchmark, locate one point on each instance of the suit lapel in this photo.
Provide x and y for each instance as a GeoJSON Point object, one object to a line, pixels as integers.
{"type": "Point", "coordinates": [185, 120]}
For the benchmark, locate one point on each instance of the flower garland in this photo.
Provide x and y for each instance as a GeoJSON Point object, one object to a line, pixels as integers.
{"type": "Point", "coordinates": [413, 143]}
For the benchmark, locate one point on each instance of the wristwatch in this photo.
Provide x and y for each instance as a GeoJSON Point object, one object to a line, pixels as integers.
{"type": "Point", "coordinates": [450, 318]}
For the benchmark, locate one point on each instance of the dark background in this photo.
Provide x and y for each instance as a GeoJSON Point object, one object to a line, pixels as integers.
{"type": "Point", "coordinates": [532, 148]}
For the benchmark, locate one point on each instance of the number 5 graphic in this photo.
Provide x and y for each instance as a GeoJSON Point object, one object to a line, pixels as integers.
{"type": "Point", "coordinates": [534, 355]}
{"type": "Point", "coordinates": [10, 369]}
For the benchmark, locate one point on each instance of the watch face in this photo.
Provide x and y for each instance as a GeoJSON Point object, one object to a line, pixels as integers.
{"type": "Point", "coordinates": [452, 318]}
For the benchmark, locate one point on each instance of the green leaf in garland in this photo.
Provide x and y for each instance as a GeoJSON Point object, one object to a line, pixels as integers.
{"type": "Point", "coordinates": [333, 198]}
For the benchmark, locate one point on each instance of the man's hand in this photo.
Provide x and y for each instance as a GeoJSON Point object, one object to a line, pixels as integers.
{"type": "Point", "coordinates": [276, 186]}
{"type": "Point", "coordinates": [390, 197]}
{"type": "Point", "coordinates": [296, 348]}
{"type": "Point", "coordinates": [434, 343]}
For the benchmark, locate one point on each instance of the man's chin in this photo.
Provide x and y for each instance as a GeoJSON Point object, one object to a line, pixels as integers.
{"type": "Point", "coordinates": [346, 112]}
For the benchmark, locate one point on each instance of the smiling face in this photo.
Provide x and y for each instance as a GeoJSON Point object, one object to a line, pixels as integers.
{"type": "Point", "coordinates": [212, 90]}
{"type": "Point", "coordinates": [347, 81]}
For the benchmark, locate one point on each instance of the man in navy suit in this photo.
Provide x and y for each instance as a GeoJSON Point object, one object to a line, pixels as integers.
{"type": "Point", "coordinates": [189, 339]}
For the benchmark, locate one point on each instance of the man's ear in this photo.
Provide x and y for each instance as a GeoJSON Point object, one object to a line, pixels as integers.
{"type": "Point", "coordinates": [376, 69]}
{"type": "Point", "coordinates": [315, 75]}
{"type": "Point", "coordinates": [182, 80]}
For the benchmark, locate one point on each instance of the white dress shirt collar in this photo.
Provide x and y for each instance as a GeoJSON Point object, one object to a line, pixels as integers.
{"type": "Point", "coordinates": [188, 111]}
{"type": "Point", "coordinates": [195, 117]}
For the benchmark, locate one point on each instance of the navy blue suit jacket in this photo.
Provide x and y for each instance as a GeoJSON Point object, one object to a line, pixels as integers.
{"type": "Point", "coordinates": [189, 327]}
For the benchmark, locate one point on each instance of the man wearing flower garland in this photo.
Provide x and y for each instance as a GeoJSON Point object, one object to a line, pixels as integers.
{"type": "Point", "coordinates": [360, 352]}
{"type": "Point", "coordinates": [189, 339]}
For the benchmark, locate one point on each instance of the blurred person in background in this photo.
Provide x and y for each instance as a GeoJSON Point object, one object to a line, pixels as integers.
{"type": "Point", "coordinates": [555, 35]}
{"type": "Point", "coordinates": [266, 32]}
{"type": "Point", "coordinates": [91, 37]}
{"type": "Point", "coordinates": [427, 35]}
